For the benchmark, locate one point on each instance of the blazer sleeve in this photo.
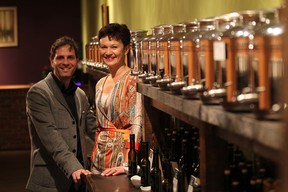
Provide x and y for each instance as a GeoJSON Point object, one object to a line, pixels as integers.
{"type": "Point", "coordinates": [89, 117]}
{"type": "Point", "coordinates": [91, 124]}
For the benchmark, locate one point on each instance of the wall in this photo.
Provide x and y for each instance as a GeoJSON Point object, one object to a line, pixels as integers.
{"type": "Point", "coordinates": [144, 14]}
{"type": "Point", "coordinates": [13, 121]}
{"type": "Point", "coordinates": [39, 24]}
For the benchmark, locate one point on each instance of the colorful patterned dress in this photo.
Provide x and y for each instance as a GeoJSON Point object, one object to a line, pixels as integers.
{"type": "Point", "coordinates": [119, 113]}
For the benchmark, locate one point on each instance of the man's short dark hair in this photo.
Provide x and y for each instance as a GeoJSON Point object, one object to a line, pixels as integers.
{"type": "Point", "coordinates": [65, 40]}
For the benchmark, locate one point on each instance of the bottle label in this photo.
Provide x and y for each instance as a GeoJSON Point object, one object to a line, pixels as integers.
{"type": "Point", "coordinates": [175, 184]}
{"type": "Point", "coordinates": [145, 171]}
{"type": "Point", "coordinates": [150, 157]}
{"type": "Point", "coordinates": [190, 188]}
{"type": "Point", "coordinates": [175, 180]}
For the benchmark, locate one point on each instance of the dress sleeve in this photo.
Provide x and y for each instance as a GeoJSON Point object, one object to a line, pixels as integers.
{"type": "Point", "coordinates": [135, 109]}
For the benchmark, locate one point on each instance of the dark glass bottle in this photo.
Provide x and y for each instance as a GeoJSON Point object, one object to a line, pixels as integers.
{"type": "Point", "coordinates": [245, 179]}
{"type": "Point", "coordinates": [173, 150]}
{"type": "Point", "coordinates": [235, 186]}
{"type": "Point", "coordinates": [167, 147]}
{"type": "Point", "coordinates": [182, 185]}
{"type": "Point", "coordinates": [252, 185]}
{"type": "Point", "coordinates": [167, 182]}
{"type": "Point", "coordinates": [155, 173]}
{"type": "Point", "coordinates": [132, 157]}
{"type": "Point", "coordinates": [183, 161]}
{"type": "Point", "coordinates": [190, 144]}
{"type": "Point", "coordinates": [145, 165]}
{"type": "Point", "coordinates": [196, 162]}
{"type": "Point", "coordinates": [227, 180]}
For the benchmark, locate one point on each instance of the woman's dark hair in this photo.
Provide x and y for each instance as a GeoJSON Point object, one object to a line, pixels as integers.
{"type": "Point", "coordinates": [116, 31]}
{"type": "Point", "coordinates": [65, 40]}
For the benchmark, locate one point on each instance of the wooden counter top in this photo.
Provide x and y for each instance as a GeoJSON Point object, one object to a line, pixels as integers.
{"type": "Point", "coordinates": [3, 87]}
{"type": "Point", "coordinates": [119, 183]}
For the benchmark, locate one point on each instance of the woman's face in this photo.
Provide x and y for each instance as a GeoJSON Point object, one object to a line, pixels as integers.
{"type": "Point", "coordinates": [112, 51]}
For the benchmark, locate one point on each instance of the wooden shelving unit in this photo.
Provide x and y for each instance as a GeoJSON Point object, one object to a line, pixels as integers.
{"type": "Point", "coordinates": [216, 128]}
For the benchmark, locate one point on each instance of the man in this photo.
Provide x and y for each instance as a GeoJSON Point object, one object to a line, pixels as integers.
{"type": "Point", "coordinates": [59, 116]}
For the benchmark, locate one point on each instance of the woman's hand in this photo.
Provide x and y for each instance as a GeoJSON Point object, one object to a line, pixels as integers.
{"type": "Point", "coordinates": [113, 171]}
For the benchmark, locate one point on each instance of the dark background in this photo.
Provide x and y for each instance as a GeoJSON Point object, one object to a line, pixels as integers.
{"type": "Point", "coordinates": [40, 22]}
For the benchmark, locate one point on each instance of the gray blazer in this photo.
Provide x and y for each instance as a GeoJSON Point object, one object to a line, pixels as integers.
{"type": "Point", "coordinates": [53, 135]}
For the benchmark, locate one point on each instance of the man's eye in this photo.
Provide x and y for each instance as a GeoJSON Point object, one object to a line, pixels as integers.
{"type": "Point", "coordinates": [71, 57]}
{"type": "Point", "coordinates": [59, 57]}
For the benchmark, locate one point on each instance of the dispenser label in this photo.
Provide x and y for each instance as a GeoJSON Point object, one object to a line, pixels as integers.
{"type": "Point", "coordinates": [219, 51]}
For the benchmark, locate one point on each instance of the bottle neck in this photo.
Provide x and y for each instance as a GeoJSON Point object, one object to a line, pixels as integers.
{"type": "Point", "coordinates": [132, 142]}
{"type": "Point", "coordinates": [155, 159]}
{"type": "Point", "coordinates": [167, 170]}
{"type": "Point", "coordinates": [145, 150]}
{"type": "Point", "coordinates": [184, 148]}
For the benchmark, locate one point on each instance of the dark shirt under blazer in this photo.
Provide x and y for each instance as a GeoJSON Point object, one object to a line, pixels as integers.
{"type": "Point", "coordinates": [53, 135]}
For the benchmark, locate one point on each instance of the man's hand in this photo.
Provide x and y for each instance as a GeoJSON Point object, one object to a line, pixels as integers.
{"type": "Point", "coordinates": [76, 175]}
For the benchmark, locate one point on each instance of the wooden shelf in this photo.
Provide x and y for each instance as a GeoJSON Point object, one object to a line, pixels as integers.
{"type": "Point", "coordinates": [245, 125]}
{"type": "Point", "coordinates": [216, 125]}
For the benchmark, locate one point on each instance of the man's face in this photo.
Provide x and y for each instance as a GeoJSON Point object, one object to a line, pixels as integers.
{"type": "Point", "coordinates": [64, 62]}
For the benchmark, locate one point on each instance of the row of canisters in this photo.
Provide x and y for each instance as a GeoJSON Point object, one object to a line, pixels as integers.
{"type": "Point", "coordinates": [234, 60]}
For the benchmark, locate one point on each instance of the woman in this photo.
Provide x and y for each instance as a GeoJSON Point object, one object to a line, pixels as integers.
{"type": "Point", "coordinates": [118, 105]}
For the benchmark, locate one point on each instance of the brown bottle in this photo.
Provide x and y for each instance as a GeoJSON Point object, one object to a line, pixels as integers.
{"type": "Point", "coordinates": [132, 157]}
{"type": "Point", "coordinates": [145, 165]}
{"type": "Point", "coordinates": [155, 173]}
{"type": "Point", "coordinates": [167, 182]}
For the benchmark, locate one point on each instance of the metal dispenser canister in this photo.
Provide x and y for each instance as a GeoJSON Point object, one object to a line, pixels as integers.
{"type": "Point", "coordinates": [146, 68]}
{"type": "Point", "coordinates": [93, 58]}
{"type": "Point", "coordinates": [96, 51]}
{"type": "Point", "coordinates": [92, 49]}
{"type": "Point", "coordinates": [87, 53]}
{"type": "Point", "coordinates": [134, 59]}
{"type": "Point", "coordinates": [213, 51]}
{"type": "Point", "coordinates": [153, 67]}
{"type": "Point", "coordinates": [268, 56]}
{"type": "Point", "coordinates": [186, 53]}
{"type": "Point", "coordinates": [163, 57]}
{"type": "Point", "coordinates": [240, 71]}
{"type": "Point", "coordinates": [175, 65]}
{"type": "Point", "coordinates": [195, 69]}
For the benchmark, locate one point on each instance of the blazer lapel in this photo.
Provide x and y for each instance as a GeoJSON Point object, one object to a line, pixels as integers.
{"type": "Point", "coordinates": [55, 89]}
